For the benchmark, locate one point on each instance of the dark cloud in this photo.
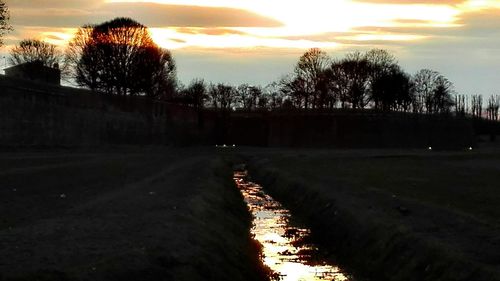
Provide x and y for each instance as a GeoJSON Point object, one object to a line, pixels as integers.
{"type": "Point", "coordinates": [150, 14]}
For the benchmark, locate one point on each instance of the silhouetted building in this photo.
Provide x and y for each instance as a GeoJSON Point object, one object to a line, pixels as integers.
{"type": "Point", "coordinates": [35, 71]}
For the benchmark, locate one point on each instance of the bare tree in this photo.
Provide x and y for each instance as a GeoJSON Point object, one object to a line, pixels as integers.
{"type": "Point", "coordinates": [493, 106]}
{"type": "Point", "coordinates": [196, 93]}
{"type": "Point", "coordinates": [460, 105]}
{"type": "Point", "coordinates": [477, 106]}
{"type": "Point", "coordinates": [119, 57]}
{"type": "Point", "coordinates": [272, 97]}
{"type": "Point", "coordinates": [222, 97]}
{"type": "Point", "coordinates": [295, 89]}
{"type": "Point", "coordinates": [433, 92]}
{"type": "Point", "coordinates": [247, 96]}
{"type": "Point", "coordinates": [356, 71]}
{"type": "Point", "coordinates": [424, 87]}
{"type": "Point", "coordinates": [33, 50]}
{"type": "Point", "coordinates": [84, 70]}
{"type": "Point", "coordinates": [392, 90]}
{"type": "Point", "coordinates": [4, 21]}
{"type": "Point", "coordinates": [338, 82]}
{"type": "Point", "coordinates": [384, 72]}
{"type": "Point", "coordinates": [309, 73]}
{"type": "Point", "coordinates": [442, 95]}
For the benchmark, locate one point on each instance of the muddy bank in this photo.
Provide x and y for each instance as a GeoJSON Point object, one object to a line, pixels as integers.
{"type": "Point", "coordinates": [370, 241]}
{"type": "Point", "coordinates": [165, 214]}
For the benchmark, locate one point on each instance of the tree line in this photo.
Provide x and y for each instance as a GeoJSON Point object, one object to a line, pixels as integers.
{"type": "Point", "coordinates": [119, 57]}
{"type": "Point", "coordinates": [370, 80]}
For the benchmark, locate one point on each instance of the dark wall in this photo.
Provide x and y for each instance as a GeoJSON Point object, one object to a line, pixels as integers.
{"type": "Point", "coordinates": [35, 114]}
{"type": "Point", "coordinates": [35, 71]}
{"type": "Point", "coordinates": [350, 130]}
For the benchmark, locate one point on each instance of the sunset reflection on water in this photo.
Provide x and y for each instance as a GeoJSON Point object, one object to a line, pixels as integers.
{"type": "Point", "coordinates": [286, 247]}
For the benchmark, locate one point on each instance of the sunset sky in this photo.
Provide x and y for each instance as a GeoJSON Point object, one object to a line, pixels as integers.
{"type": "Point", "coordinates": [257, 41]}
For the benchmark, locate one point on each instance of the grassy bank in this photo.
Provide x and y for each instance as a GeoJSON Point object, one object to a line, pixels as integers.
{"type": "Point", "coordinates": [394, 215]}
{"type": "Point", "coordinates": [140, 214]}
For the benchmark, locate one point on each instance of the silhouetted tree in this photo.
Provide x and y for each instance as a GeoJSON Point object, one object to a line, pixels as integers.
{"type": "Point", "coordinates": [356, 70]}
{"type": "Point", "coordinates": [309, 74]}
{"type": "Point", "coordinates": [119, 57]}
{"type": "Point", "coordinates": [222, 97]}
{"type": "Point", "coordinates": [381, 60]}
{"type": "Point", "coordinates": [442, 95]}
{"type": "Point", "coordinates": [477, 106]}
{"type": "Point", "coordinates": [392, 90]}
{"type": "Point", "coordinates": [388, 87]}
{"type": "Point", "coordinates": [31, 50]}
{"type": "Point", "coordinates": [247, 96]}
{"type": "Point", "coordinates": [196, 94]}
{"type": "Point", "coordinates": [493, 106]}
{"type": "Point", "coordinates": [425, 84]}
{"type": "Point", "coordinates": [338, 82]}
{"type": "Point", "coordinates": [295, 89]}
{"type": "Point", "coordinates": [460, 105]}
{"type": "Point", "coordinates": [4, 21]}
{"type": "Point", "coordinates": [272, 97]}
{"type": "Point", "coordinates": [84, 70]}
{"type": "Point", "coordinates": [433, 92]}
{"type": "Point", "coordinates": [256, 97]}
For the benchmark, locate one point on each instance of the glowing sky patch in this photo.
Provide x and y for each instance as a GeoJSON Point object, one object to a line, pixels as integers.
{"type": "Point", "coordinates": [291, 19]}
{"type": "Point", "coordinates": [316, 17]}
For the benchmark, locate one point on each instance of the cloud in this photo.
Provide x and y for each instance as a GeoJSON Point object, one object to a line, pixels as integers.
{"type": "Point", "coordinates": [485, 22]}
{"type": "Point", "coordinates": [150, 14]}
{"type": "Point", "coordinates": [469, 26]}
{"type": "Point", "coordinates": [192, 16]}
{"type": "Point", "coordinates": [47, 4]}
{"type": "Point", "coordinates": [405, 2]}
{"type": "Point", "coordinates": [209, 31]}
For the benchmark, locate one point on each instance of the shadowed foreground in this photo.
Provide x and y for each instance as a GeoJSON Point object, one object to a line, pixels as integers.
{"type": "Point", "coordinates": [131, 214]}
{"type": "Point", "coordinates": [395, 215]}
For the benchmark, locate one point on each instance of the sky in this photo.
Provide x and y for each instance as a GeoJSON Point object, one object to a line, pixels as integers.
{"type": "Point", "coordinates": [259, 41]}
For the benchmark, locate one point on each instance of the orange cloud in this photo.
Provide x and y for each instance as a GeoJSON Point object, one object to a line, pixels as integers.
{"type": "Point", "coordinates": [150, 14]}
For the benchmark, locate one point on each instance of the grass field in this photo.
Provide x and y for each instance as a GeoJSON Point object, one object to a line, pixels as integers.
{"type": "Point", "coordinates": [153, 213]}
{"type": "Point", "coordinates": [467, 182]}
{"type": "Point", "coordinates": [129, 214]}
{"type": "Point", "coordinates": [449, 199]}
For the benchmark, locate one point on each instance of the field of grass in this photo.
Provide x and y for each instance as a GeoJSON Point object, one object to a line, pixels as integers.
{"type": "Point", "coordinates": [467, 182]}
{"type": "Point", "coordinates": [444, 199]}
{"type": "Point", "coordinates": [129, 214]}
{"type": "Point", "coordinates": [152, 213]}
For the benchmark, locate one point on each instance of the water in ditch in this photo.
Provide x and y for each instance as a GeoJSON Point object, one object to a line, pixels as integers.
{"type": "Point", "coordinates": [287, 247]}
